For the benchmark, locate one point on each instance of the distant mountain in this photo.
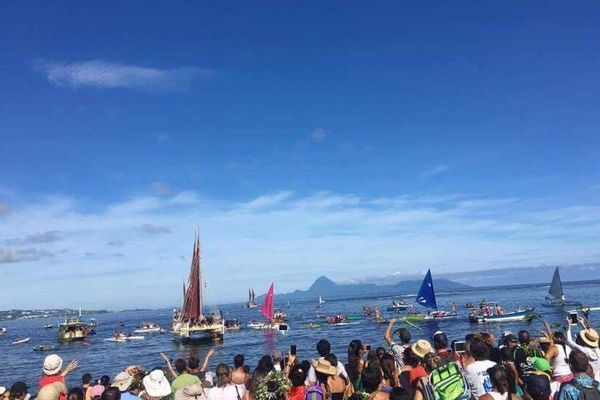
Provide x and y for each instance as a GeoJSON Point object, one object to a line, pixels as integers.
{"type": "Point", "coordinates": [330, 290]}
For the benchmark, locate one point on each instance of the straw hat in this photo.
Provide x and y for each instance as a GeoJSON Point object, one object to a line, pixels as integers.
{"type": "Point", "coordinates": [122, 381]}
{"type": "Point", "coordinates": [52, 364]}
{"type": "Point", "coordinates": [421, 348]}
{"type": "Point", "coordinates": [51, 391]}
{"type": "Point", "coordinates": [323, 366]}
{"type": "Point", "coordinates": [544, 339]}
{"type": "Point", "coordinates": [589, 337]}
{"type": "Point", "coordinates": [191, 392]}
{"type": "Point", "coordinates": [156, 384]}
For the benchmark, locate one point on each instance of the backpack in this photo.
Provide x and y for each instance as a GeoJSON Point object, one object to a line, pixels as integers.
{"type": "Point", "coordinates": [314, 392]}
{"type": "Point", "coordinates": [447, 382]}
{"type": "Point", "coordinates": [586, 393]}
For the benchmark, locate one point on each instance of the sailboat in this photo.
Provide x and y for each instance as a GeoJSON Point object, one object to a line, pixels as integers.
{"type": "Point", "coordinates": [251, 299]}
{"type": "Point", "coordinates": [556, 295]}
{"type": "Point", "coordinates": [426, 297]}
{"type": "Point", "coordinates": [190, 321]}
{"type": "Point", "coordinates": [321, 301]}
{"type": "Point", "coordinates": [275, 319]}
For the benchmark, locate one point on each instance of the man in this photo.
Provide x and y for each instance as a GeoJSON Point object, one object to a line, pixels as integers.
{"type": "Point", "coordinates": [52, 371]}
{"type": "Point", "coordinates": [477, 363]}
{"type": "Point", "coordinates": [537, 387]}
{"type": "Point", "coordinates": [184, 378]}
{"type": "Point", "coordinates": [122, 382]}
{"type": "Point", "coordinates": [522, 353]}
{"type": "Point", "coordinates": [398, 349]}
{"type": "Point", "coordinates": [440, 346]}
{"type": "Point", "coordinates": [580, 366]}
{"type": "Point", "coordinates": [52, 391]}
{"type": "Point", "coordinates": [277, 360]}
{"type": "Point", "coordinates": [324, 349]}
{"type": "Point", "coordinates": [86, 383]}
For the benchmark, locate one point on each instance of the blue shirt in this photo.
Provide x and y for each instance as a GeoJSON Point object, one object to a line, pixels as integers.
{"type": "Point", "coordinates": [128, 396]}
{"type": "Point", "coordinates": [570, 392]}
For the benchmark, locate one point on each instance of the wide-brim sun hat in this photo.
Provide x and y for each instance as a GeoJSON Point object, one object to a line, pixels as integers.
{"type": "Point", "coordinates": [52, 364]}
{"type": "Point", "coordinates": [589, 337]}
{"type": "Point", "coordinates": [156, 384]}
{"type": "Point", "coordinates": [323, 366]}
{"type": "Point", "coordinates": [122, 381]}
{"type": "Point", "coordinates": [2, 390]}
{"type": "Point", "coordinates": [421, 348]}
{"type": "Point", "coordinates": [190, 392]}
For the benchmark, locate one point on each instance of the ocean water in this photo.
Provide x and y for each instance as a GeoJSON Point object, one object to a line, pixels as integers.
{"type": "Point", "coordinates": [20, 362]}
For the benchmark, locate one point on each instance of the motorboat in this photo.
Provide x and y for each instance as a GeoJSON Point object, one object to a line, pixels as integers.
{"type": "Point", "coordinates": [494, 316]}
{"type": "Point", "coordinates": [148, 327]}
{"type": "Point", "coordinates": [233, 325]}
{"type": "Point", "coordinates": [440, 315]}
{"type": "Point", "coordinates": [44, 347]}
{"type": "Point", "coordinates": [3, 330]}
{"type": "Point", "coordinates": [48, 326]}
{"type": "Point", "coordinates": [93, 322]}
{"type": "Point", "coordinates": [398, 306]}
{"type": "Point", "coordinates": [121, 337]}
{"type": "Point", "coordinates": [73, 329]}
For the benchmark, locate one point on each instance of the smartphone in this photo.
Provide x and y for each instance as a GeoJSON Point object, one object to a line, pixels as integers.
{"type": "Point", "coordinates": [459, 347]}
{"type": "Point", "coordinates": [293, 349]}
{"type": "Point", "coordinates": [573, 316]}
{"type": "Point", "coordinates": [283, 327]}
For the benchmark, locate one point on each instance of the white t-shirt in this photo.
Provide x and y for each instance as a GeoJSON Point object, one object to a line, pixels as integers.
{"type": "Point", "coordinates": [226, 393]}
{"type": "Point", "coordinates": [312, 375]}
{"type": "Point", "coordinates": [478, 378]}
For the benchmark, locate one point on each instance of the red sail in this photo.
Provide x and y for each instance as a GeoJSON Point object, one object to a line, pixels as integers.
{"type": "Point", "coordinates": [268, 304]}
{"type": "Point", "coordinates": [192, 304]}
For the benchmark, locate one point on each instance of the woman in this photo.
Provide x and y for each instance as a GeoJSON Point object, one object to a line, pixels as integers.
{"type": "Point", "coordinates": [387, 362]}
{"type": "Point", "coordinates": [586, 342]}
{"type": "Point", "coordinates": [332, 386]}
{"type": "Point", "coordinates": [558, 355]}
{"type": "Point", "coordinates": [355, 363]}
{"type": "Point", "coordinates": [239, 375]}
{"type": "Point", "coordinates": [224, 388]}
{"type": "Point", "coordinates": [297, 377]}
{"type": "Point", "coordinates": [430, 362]}
{"type": "Point", "coordinates": [500, 385]}
{"type": "Point", "coordinates": [371, 381]}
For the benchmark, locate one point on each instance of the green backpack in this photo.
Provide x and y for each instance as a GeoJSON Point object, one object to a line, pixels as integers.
{"type": "Point", "coordinates": [447, 382]}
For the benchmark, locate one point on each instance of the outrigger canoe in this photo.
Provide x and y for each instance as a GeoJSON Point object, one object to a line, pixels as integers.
{"type": "Point", "coordinates": [518, 315]}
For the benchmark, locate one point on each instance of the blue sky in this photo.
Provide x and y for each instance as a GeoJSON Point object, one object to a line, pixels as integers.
{"type": "Point", "coordinates": [302, 137]}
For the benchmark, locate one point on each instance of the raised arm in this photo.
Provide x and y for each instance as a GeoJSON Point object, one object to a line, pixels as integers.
{"type": "Point", "coordinates": [72, 365]}
{"type": "Point", "coordinates": [170, 369]}
{"type": "Point", "coordinates": [570, 340]}
{"type": "Point", "coordinates": [207, 359]}
{"type": "Point", "coordinates": [388, 331]}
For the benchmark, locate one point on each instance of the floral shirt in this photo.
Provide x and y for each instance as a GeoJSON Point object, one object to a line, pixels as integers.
{"type": "Point", "coordinates": [570, 392]}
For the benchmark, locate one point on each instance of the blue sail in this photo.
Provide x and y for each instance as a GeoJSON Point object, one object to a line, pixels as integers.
{"type": "Point", "coordinates": [426, 296]}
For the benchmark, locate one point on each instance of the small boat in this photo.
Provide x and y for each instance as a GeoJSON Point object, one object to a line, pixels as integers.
{"type": "Point", "coordinates": [556, 295]}
{"type": "Point", "coordinates": [121, 337]}
{"type": "Point", "coordinates": [338, 319]}
{"type": "Point", "coordinates": [426, 297]}
{"type": "Point", "coordinates": [251, 299]}
{"type": "Point", "coordinates": [48, 326]}
{"type": "Point", "coordinates": [275, 319]}
{"type": "Point", "coordinates": [73, 329]}
{"type": "Point", "coordinates": [517, 315]}
{"type": "Point", "coordinates": [44, 347]}
{"type": "Point", "coordinates": [440, 315]}
{"type": "Point", "coordinates": [274, 326]}
{"type": "Point", "coordinates": [93, 322]}
{"type": "Point", "coordinates": [21, 341]}
{"type": "Point", "coordinates": [3, 331]}
{"type": "Point", "coordinates": [148, 327]}
{"type": "Point", "coordinates": [321, 301]}
{"type": "Point", "coordinates": [233, 325]}
{"type": "Point", "coordinates": [398, 305]}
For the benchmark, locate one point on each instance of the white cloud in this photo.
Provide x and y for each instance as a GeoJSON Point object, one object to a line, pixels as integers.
{"type": "Point", "coordinates": [435, 170]}
{"type": "Point", "coordinates": [160, 187]}
{"type": "Point", "coordinates": [319, 134]}
{"type": "Point", "coordinates": [112, 75]}
{"type": "Point", "coordinates": [255, 241]}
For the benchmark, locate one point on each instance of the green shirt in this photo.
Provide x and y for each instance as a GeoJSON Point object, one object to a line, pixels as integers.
{"type": "Point", "coordinates": [183, 380]}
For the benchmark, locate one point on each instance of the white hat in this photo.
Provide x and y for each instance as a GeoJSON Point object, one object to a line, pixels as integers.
{"type": "Point", "coordinates": [52, 364]}
{"type": "Point", "coordinates": [122, 381]}
{"type": "Point", "coordinates": [156, 384]}
{"type": "Point", "coordinates": [2, 390]}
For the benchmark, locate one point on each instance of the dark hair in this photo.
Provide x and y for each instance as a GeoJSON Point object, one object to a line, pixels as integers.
{"type": "Point", "coordinates": [578, 361]}
{"type": "Point", "coordinates": [265, 364]}
{"type": "Point", "coordinates": [86, 378]}
{"type": "Point", "coordinates": [431, 361]}
{"type": "Point", "coordinates": [499, 378]}
{"type": "Point", "coordinates": [410, 358]}
{"type": "Point", "coordinates": [298, 375]}
{"type": "Point", "coordinates": [380, 351]}
{"type": "Point", "coordinates": [105, 380]}
{"type": "Point", "coordinates": [354, 357]}
{"type": "Point", "coordinates": [193, 362]}
{"type": "Point", "coordinates": [332, 359]}
{"type": "Point", "coordinates": [399, 393]}
{"type": "Point", "coordinates": [524, 337]}
{"type": "Point", "coordinates": [479, 349]}
{"type": "Point", "coordinates": [404, 335]}
{"type": "Point", "coordinates": [323, 347]}
{"type": "Point", "coordinates": [388, 366]}
{"type": "Point", "coordinates": [223, 375]}
{"type": "Point", "coordinates": [371, 378]}
{"type": "Point", "coordinates": [559, 337]}
{"type": "Point", "coordinates": [238, 360]}
{"type": "Point", "coordinates": [180, 365]}
{"type": "Point", "coordinates": [111, 393]}
{"type": "Point", "coordinates": [440, 341]}
{"type": "Point", "coordinates": [75, 394]}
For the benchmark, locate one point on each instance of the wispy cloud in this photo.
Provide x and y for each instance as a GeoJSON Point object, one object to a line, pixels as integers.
{"type": "Point", "coordinates": [8, 256]}
{"type": "Point", "coordinates": [319, 135]}
{"type": "Point", "coordinates": [435, 170]}
{"type": "Point", "coordinates": [112, 75]}
{"type": "Point", "coordinates": [36, 238]}
{"type": "Point", "coordinates": [154, 229]}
